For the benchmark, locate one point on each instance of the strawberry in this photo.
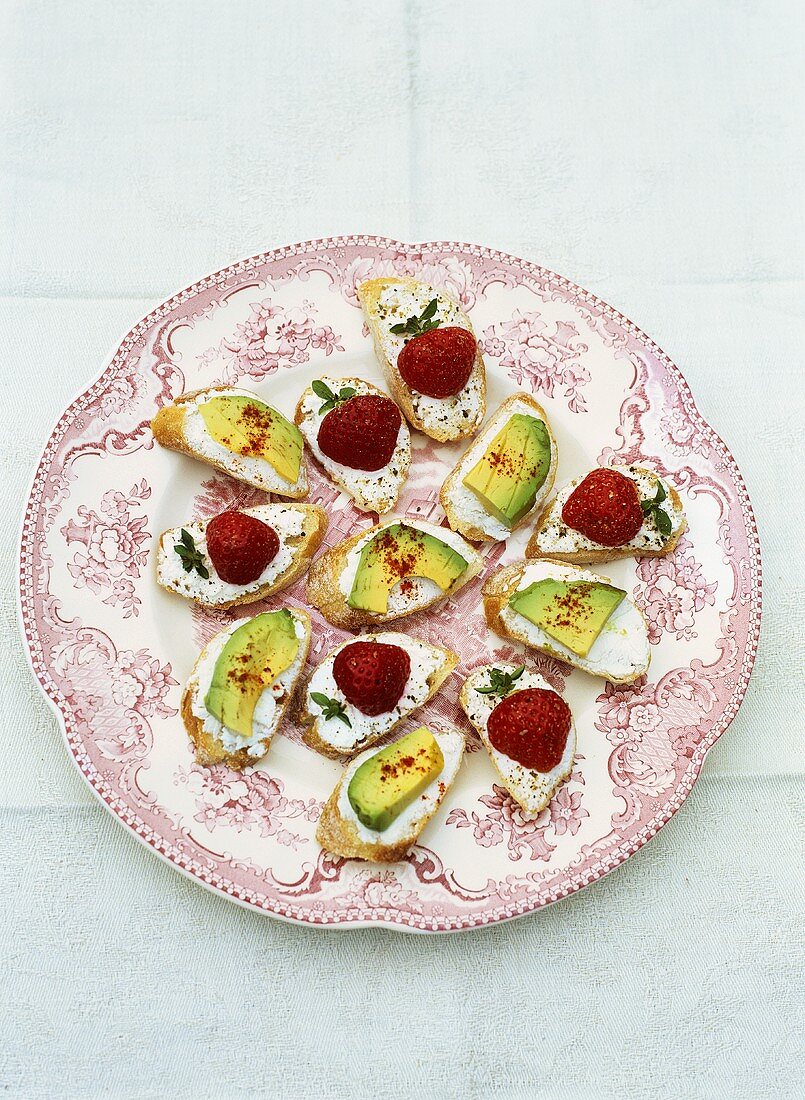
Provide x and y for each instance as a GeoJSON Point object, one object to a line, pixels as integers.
{"type": "Point", "coordinates": [240, 546]}
{"type": "Point", "coordinates": [531, 726]}
{"type": "Point", "coordinates": [605, 508]}
{"type": "Point", "coordinates": [439, 362]}
{"type": "Point", "coordinates": [372, 675]}
{"type": "Point", "coordinates": [362, 432]}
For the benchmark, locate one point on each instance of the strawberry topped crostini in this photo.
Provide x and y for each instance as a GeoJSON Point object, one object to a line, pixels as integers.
{"type": "Point", "coordinates": [240, 556]}
{"type": "Point", "coordinates": [358, 437]}
{"type": "Point", "coordinates": [363, 689]}
{"type": "Point", "coordinates": [616, 512]}
{"type": "Point", "coordinates": [526, 728]}
{"type": "Point", "coordinates": [428, 350]}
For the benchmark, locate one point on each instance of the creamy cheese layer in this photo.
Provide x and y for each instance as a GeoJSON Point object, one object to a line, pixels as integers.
{"type": "Point", "coordinates": [249, 468]}
{"type": "Point", "coordinates": [287, 521]}
{"type": "Point", "coordinates": [406, 825]}
{"type": "Point", "coordinates": [411, 593]}
{"type": "Point", "coordinates": [425, 660]}
{"type": "Point", "coordinates": [557, 538]}
{"type": "Point", "coordinates": [270, 705]}
{"type": "Point", "coordinates": [396, 304]}
{"type": "Point", "coordinates": [466, 504]}
{"type": "Point", "coordinates": [372, 490]}
{"type": "Point", "coordinates": [620, 651]}
{"type": "Point", "coordinates": [531, 789]}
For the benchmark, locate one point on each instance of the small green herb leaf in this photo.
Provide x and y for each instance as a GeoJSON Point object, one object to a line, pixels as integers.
{"type": "Point", "coordinates": [663, 521]}
{"type": "Point", "coordinates": [331, 708]}
{"type": "Point", "coordinates": [190, 557]}
{"type": "Point", "coordinates": [415, 326]}
{"type": "Point", "coordinates": [331, 400]}
{"type": "Point", "coordinates": [651, 510]}
{"type": "Point", "coordinates": [500, 682]}
{"type": "Point", "coordinates": [661, 493]}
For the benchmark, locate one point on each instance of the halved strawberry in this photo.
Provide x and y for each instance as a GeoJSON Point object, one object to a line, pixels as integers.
{"type": "Point", "coordinates": [372, 675]}
{"type": "Point", "coordinates": [531, 726]}
{"type": "Point", "coordinates": [240, 546]}
{"type": "Point", "coordinates": [439, 362]}
{"type": "Point", "coordinates": [605, 508]}
{"type": "Point", "coordinates": [362, 432]}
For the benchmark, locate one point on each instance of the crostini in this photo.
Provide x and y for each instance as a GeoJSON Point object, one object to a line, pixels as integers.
{"type": "Point", "coordinates": [505, 475]}
{"type": "Point", "coordinates": [612, 512]}
{"type": "Point", "coordinates": [427, 348]}
{"type": "Point", "coordinates": [573, 614]}
{"type": "Point", "coordinates": [390, 570]}
{"type": "Point", "coordinates": [238, 557]}
{"type": "Point", "coordinates": [364, 688]}
{"type": "Point", "coordinates": [358, 437]}
{"type": "Point", "coordinates": [242, 685]}
{"type": "Point", "coordinates": [236, 432]}
{"type": "Point", "coordinates": [386, 796]}
{"type": "Point", "coordinates": [527, 729]}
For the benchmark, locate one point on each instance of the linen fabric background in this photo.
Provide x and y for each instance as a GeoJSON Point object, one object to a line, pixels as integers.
{"type": "Point", "coordinates": [650, 151]}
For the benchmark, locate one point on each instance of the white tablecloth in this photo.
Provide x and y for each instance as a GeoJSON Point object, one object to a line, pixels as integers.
{"type": "Point", "coordinates": [651, 151]}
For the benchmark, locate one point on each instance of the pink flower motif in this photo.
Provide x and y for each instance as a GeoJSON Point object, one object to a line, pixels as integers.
{"type": "Point", "coordinates": [274, 336]}
{"type": "Point", "coordinates": [540, 358]}
{"type": "Point", "coordinates": [114, 552]}
{"type": "Point", "coordinates": [117, 397]}
{"type": "Point", "coordinates": [675, 592]}
{"type": "Point", "coordinates": [567, 812]}
{"type": "Point", "coordinates": [683, 435]}
{"type": "Point", "coordinates": [488, 831]}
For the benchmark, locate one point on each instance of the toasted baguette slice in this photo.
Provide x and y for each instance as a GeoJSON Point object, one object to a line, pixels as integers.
{"type": "Point", "coordinates": [340, 832]}
{"type": "Point", "coordinates": [620, 654]}
{"type": "Point", "coordinates": [213, 746]}
{"type": "Point", "coordinates": [372, 491]}
{"type": "Point", "coordinates": [430, 667]}
{"type": "Point", "coordinates": [180, 427]}
{"type": "Point", "coordinates": [388, 302]}
{"type": "Point", "coordinates": [300, 528]}
{"type": "Point", "coordinates": [330, 571]}
{"type": "Point", "coordinates": [531, 789]}
{"type": "Point", "coordinates": [465, 512]}
{"type": "Point", "coordinates": [552, 538]}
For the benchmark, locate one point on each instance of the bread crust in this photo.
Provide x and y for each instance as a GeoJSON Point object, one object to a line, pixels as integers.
{"type": "Point", "coordinates": [168, 429]}
{"type": "Point", "coordinates": [476, 534]}
{"type": "Point", "coordinates": [598, 557]}
{"type": "Point", "coordinates": [323, 590]}
{"type": "Point", "coordinates": [388, 502]}
{"type": "Point", "coordinates": [368, 295]}
{"type": "Point", "coordinates": [464, 701]}
{"type": "Point", "coordinates": [496, 592]}
{"type": "Point", "coordinates": [309, 721]}
{"type": "Point", "coordinates": [210, 751]}
{"type": "Point", "coordinates": [313, 531]}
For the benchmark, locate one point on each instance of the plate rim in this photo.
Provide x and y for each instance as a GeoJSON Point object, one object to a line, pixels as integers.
{"type": "Point", "coordinates": [393, 919]}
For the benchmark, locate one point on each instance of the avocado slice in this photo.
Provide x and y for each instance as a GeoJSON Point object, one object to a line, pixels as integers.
{"type": "Point", "coordinates": [254, 656]}
{"type": "Point", "coordinates": [397, 552]}
{"type": "Point", "coordinates": [512, 469]}
{"type": "Point", "coordinates": [572, 612]}
{"type": "Point", "coordinates": [250, 428]}
{"type": "Point", "coordinates": [388, 782]}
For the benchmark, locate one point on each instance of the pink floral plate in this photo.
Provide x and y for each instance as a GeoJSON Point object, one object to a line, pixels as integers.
{"type": "Point", "coordinates": [111, 649]}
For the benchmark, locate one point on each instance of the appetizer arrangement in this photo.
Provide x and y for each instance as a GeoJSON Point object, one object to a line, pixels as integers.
{"type": "Point", "coordinates": [251, 674]}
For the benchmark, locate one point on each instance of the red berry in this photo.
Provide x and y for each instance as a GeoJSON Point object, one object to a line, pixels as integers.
{"type": "Point", "coordinates": [531, 726]}
{"type": "Point", "coordinates": [605, 508]}
{"type": "Point", "coordinates": [240, 546]}
{"type": "Point", "coordinates": [361, 433]}
{"type": "Point", "coordinates": [439, 362]}
{"type": "Point", "coordinates": [372, 675]}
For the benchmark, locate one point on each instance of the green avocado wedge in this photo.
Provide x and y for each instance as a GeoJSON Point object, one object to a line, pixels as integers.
{"type": "Point", "coordinates": [388, 782]}
{"type": "Point", "coordinates": [254, 656]}
{"type": "Point", "coordinates": [250, 428]}
{"type": "Point", "coordinates": [512, 469]}
{"type": "Point", "coordinates": [398, 552]}
{"type": "Point", "coordinates": [571, 612]}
